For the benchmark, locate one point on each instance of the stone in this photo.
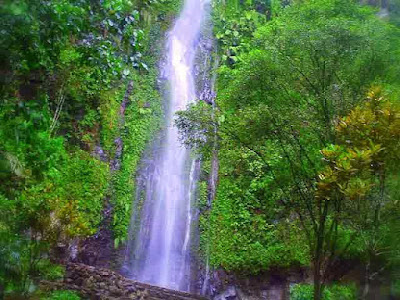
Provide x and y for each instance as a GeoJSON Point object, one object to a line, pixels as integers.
{"type": "Point", "coordinates": [228, 294]}
{"type": "Point", "coordinates": [208, 45]}
{"type": "Point", "coordinates": [130, 289]}
{"type": "Point", "coordinates": [116, 291]}
{"type": "Point", "coordinates": [100, 283]}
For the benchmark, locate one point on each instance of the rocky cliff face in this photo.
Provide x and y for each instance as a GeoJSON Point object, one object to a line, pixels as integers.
{"type": "Point", "coordinates": [273, 285]}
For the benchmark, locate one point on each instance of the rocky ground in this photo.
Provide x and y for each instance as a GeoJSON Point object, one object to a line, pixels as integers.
{"type": "Point", "coordinates": [100, 283]}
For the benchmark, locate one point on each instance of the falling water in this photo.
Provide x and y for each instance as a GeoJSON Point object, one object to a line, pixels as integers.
{"type": "Point", "coordinates": [159, 251]}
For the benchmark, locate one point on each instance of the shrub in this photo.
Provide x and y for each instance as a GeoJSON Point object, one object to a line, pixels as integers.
{"type": "Point", "coordinates": [62, 295]}
{"type": "Point", "coordinates": [333, 292]}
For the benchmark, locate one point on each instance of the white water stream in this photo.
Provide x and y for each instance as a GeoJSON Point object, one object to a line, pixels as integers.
{"type": "Point", "coordinates": [160, 251]}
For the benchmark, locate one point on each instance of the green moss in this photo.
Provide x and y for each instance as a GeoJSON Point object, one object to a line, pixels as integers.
{"type": "Point", "coordinates": [203, 195]}
{"type": "Point", "coordinates": [143, 116]}
{"type": "Point", "coordinates": [109, 109]}
{"type": "Point", "coordinates": [86, 180]}
{"type": "Point", "coordinates": [240, 237]}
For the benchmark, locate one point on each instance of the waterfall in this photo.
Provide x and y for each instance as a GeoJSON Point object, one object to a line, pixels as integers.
{"type": "Point", "coordinates": [160, 236]}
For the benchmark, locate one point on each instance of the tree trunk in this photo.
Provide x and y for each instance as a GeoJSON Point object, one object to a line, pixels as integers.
{"type": "Point", "coordinates": [366, 283]}
{"type": "Point", "coordinates": [317, 280]}
{"type": "Point", "coordinates": [319, 249]}
{"type": "Point", "coordinates": [317, 269]}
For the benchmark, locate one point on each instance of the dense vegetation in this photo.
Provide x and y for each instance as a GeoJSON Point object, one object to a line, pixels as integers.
{"type": "Point", "coordinates": [308, 131]}
{"type": "Point", "coordinates": [306, 126]}
{"type": "Point", "coordinates": [65, 71]}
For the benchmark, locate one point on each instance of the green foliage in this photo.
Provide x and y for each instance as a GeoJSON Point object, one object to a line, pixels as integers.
{"type": "Point", "coordinates": [235, 35]}
{"type": "Point", "coordinates": [332, 292]}
{"type": "Point", "coordinates": [203, 195]}
{"type": "Point", "coordinates": [234, 25]}
{"type": "Point", "coordinates": [49, 271]}
{"type": "Point", "coordinates": [109, 35]}
{"type": "Point", "coordinates": [194, 132]}
{"type": "Point", "coordinates": [65, 203]}
{"type": "Point", "coordinates": [369, 138]}
{"type": "Point", "coordinates": [68, 202]}
{"type": "Point", "coordinates": [110, 117]}
{"type": "Point", "coordinates": [26, 144]}
{"type": "Point", "coordinates": [359, 169]}
{"type": "Point", "coordinates": [277, 106]}
{"type": "Point", "coordinates": [241, 239]}
{"type": "Point", "coordinates": [301, 292]}
{"type": "Point", "coordinates": [62, 295]}
{"type": "Point", "coordinates": [142, 120]}
{"type": "Point", "coordinates": [66, 67]}
{"type": "Point", "coordinates": [14, 261]}
{"type": "Point", "coordinates": [287, 89]}
{"type": "Point", "coordinates": [396, 288]}
{"type": "Point", "coordinates": [85, 180]}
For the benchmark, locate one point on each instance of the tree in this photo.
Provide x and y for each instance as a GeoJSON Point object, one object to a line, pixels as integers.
{"type": "Point", "coordinates": [277, 108]}
{"type": "Point", "coordinates": [357, 173]}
